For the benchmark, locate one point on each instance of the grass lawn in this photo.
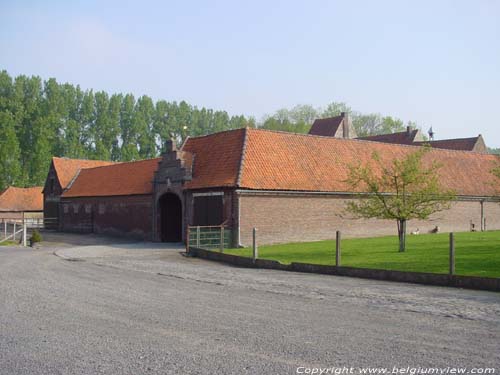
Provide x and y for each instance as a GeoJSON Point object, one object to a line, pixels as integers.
{"type": "Point", "coordinates": [476, 254]}
{"type": "Point", "coordinates": [8, 243]}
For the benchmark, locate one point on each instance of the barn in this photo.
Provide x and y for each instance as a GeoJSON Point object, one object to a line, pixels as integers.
{"type": "Point", "coordinates": [18, 203]}
{"type": "Point", "coordinates": [341, 127]}
{"type": "Point", "coordinates": [61, 173]}
{"type": "Point", "coordinates": [290, 186]}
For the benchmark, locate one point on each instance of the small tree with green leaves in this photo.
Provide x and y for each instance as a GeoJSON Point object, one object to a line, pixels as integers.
{"type": "Point", "coordinates": [495, 171]}
{"type": "Point", "coordinates": [401, 190]}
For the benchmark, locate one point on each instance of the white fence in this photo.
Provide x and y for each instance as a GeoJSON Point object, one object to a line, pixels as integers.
{"type": "Point", "coordinates": [14, 229]}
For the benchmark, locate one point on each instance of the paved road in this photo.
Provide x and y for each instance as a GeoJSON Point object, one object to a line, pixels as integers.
{"type": "Point", "coordinates": [140, 309]}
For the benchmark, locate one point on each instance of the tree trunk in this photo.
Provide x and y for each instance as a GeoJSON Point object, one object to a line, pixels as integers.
{"type": "Point", "coordinates": [402, 235]}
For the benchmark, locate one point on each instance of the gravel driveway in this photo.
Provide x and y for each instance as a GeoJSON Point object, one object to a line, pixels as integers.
{"type": "Point", "coordinates": [125, 308]}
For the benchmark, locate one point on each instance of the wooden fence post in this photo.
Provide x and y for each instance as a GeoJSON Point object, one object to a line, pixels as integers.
{"type": "Point", "coordinates": [24, 234]}
{"type": "Point", "coordinates": [14, 232]}
{"type": "Point", "coordinates": [5, 228]}
{"type": "Point", "coordinates": [337, 250]}
{"type": "Point", "coordinates": [452, 254]}
{"type": "Point", "coordinates": [255, 254]}
{"type": "Point", "coordinates": [198, 237]}
{"type": "Point", "coordinates": [482, 216]}
{"type": "Point", "coordinates": [24, 230]}
{"type": "Point", "coordinates": [187, 240]}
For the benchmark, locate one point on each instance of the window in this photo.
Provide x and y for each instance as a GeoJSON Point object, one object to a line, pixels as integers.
{"type": "Point", "coordinates": [88, 208]}
{"type": "Point", "coordinates": [75, 208]}
{"type": "Point", "coordinates": [208, 210]}
{"type": "Point", "coordinates": [51, 185]}
{"type": "Point", "coordinates": [66, 208]}
{"type": "Point", "coordinates": [102, 208]}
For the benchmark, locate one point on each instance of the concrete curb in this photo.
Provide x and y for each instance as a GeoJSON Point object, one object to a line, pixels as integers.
{"type": "Point", "coordinates": [466, 282]}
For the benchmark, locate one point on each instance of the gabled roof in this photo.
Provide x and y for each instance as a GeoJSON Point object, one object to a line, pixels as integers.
{"type": "Point", "coordinates": [21, 199]}
{"type": "Point", "coordinates": [130, 178]}
{"type": "Point", "coordinates": [464, 144]}
{"type": "Point", "coordinates": [268, 160]}
{"type": "Point", "coordinates": [402, 138]}
{"type": "Point", "coordinates": [67, 169]}
{"type": "Point", "coordinates": [327, 127]}
{"type": "Point", "coordinates": [286, 161]}
{"type": "Point", "coordinates": [217, 158]}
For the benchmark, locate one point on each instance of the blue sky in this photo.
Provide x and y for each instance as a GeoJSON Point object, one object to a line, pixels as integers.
{"type": "Point", "coordinates": [433, 62]}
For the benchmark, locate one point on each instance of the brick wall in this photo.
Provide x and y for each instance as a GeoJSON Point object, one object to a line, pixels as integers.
{"type": "Point", "coordinates": [120, 215]}
{"type": "Point", "coordinates": [299, 218]}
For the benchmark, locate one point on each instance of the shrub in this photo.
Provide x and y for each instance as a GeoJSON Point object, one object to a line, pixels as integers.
{"type": "Point", "coordinates": [36, 237]}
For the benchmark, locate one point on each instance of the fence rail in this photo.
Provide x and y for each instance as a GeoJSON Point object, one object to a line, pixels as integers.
{"type": "Point", "coordinates": [31, 222]}
{"type": "Point", "coordinates": [209, 237]}
{"type": "Point", "coordinates": [11, 229]}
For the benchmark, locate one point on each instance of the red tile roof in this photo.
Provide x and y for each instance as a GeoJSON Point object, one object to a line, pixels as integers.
{"type": "Point", "coordinates": [286, 161]}
{"type": "Point", "coordinates": [327, 127]}
{"type": "Point", "coordinates": [21, 199]}
{"type": "Point", "coordinates": [217, 158]}
{"type": "Point", "coordinates": [402, 138]}
{"type": "Point", "coordinates": [66, 168]}
{"type": "Point", "coordinates": [131, 178]}
{"type": "Point", "coordinates": [269, 160]}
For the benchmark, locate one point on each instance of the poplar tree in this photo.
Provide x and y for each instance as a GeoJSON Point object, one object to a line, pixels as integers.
{"type": "Point", "coordinates": [10, 167]}
{"type": "Point", "coordinates": [128, 130]}
{"type": "Point", "coordinates": [143, 123]}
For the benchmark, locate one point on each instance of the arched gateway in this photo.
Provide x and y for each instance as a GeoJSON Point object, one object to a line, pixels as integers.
{"type": "Point", "coordinates": [170, 218]}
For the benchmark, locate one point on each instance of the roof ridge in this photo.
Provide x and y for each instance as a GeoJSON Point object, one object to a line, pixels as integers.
{"type": "Point", "coordinates": [242, 158]}
{"type": "Point", "coordinates": [451, 139]}
{"type": "Point", "coordinates": [78, 159]}
{"type": "Point", "coordinates": [70, 184]}
{"type": "Point", "coordinates": [122, 162]}
{"type": "Point", "coordinates": [216, 133]}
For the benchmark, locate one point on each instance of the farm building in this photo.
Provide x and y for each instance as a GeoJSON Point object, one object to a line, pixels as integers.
{"type": "Point", "coordinates": [16, 203]}
{"type": "Point", "coordinates": [290, 186]}
{"type": "Point", "coordinates": [62, 171]}
{"type": "Point", "coordinates": [341, 127]}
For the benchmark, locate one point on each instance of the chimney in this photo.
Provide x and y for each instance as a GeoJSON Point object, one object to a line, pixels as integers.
{"type": "Point", "coordinates": [408, 130]}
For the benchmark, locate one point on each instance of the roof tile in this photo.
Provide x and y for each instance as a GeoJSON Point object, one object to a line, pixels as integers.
{"type": "Point", "coordinates": [286, 161]}
{"type": "Point", "coordinates": [216, 159]}
{"type": "Point", "coordinates": [130, 178]}
{"type": "Point", "coordinates": [327, 127]}
{"type": "Point", "coordinates": [21, 199]}
{"type": "Point", "coordinates": [402, 138]}
{"type": "Point", "coordinates": [67, 169]}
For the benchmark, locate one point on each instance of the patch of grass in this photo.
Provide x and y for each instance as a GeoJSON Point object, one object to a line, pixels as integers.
{"type": "Point", "coordinates": [476, 254]}
{"type": "Point", "coordinates": [8, 243]}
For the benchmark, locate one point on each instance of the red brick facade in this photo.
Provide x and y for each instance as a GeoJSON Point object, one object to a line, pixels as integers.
{"type": "Point", "coordinates": [307, 217]}
{"type": "Point", "coordinates": [129, 215]}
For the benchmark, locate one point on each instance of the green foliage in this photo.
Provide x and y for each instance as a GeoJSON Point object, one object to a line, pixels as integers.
{"type": "Point", "coordinates": [36, 237]}
{"type": "Point", "coordinates": [495, 151]}
{"type": "Point", "coordinates": [476, 254]}
{"type": "Point", "coordinates": [10, 166]}
{"type": "Point", "coordinates": [401, 190]}
{"type": "Point", "coordinates": [40, 119]}
{"type": "Point", "coordinates": [300, 118]}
